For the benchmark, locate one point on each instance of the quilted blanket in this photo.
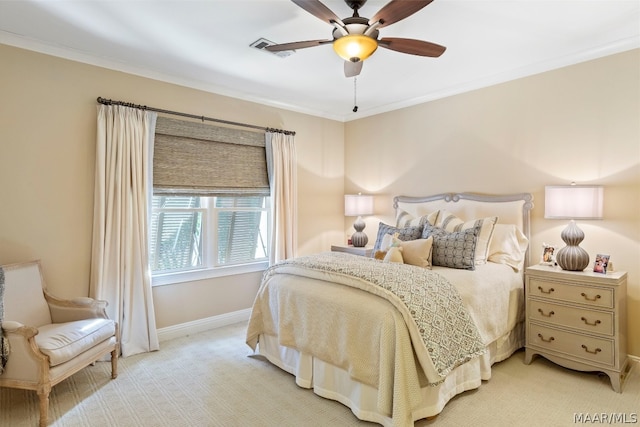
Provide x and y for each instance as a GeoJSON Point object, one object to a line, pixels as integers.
{"type": "Point", "coordinates": [443, 333]}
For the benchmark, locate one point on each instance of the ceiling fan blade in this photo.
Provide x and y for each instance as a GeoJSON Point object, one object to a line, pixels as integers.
{"type": "Point", "coordinates": [352, 69]}
{"type": "Point", "coordinates": [397, 10]}
{"type": "Point", "coordinates": [319, 10]}
{"type": "Point", "coordinates": [296, 45]}
{"type": "Point", "coordinates": [412, 46]}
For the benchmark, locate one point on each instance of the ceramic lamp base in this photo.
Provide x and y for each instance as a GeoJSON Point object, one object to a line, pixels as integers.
{"type": "Point", "coordinates": [572, 257]}
{"type": "Point", "coordinates": [359, 239]}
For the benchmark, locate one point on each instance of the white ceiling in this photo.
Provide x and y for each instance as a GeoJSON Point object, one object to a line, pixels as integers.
{"type": "Point", "coordinates": [205, 45]}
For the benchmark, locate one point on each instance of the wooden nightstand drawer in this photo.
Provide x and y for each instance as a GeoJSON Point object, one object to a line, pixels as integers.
{"type": "Point", "coordinates": [592, 321]}
{"type": "Point", "coordinates": [571, 344]}
{"type": "Point", "coordinates": [587, 295]}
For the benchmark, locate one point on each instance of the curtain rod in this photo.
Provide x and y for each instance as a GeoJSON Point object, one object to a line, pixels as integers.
{"type": "Point", "coordinates": [191, 116]}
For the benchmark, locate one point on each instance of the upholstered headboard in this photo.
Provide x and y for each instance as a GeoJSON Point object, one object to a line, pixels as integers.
{"type": "Point", "coordinates": [510, 209]}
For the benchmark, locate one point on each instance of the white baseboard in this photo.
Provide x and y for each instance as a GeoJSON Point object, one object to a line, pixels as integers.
{"type": "Point", "coordinates": [200, 325]}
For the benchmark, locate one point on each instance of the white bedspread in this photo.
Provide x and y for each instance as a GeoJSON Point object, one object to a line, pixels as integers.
{"type": "Point", "coordinates": [493, 294]}
{"type": "Point", "coordinates": [367, 336]}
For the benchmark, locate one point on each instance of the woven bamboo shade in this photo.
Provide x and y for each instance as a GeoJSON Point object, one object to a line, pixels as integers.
{"type": "Point", "coordinates": [201, 159]}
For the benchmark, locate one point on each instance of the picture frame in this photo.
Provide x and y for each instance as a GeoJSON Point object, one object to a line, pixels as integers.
{"type": "Point", "coordinates": [548, 256]}
{"type": "Point", "coordinates": [601, 263]}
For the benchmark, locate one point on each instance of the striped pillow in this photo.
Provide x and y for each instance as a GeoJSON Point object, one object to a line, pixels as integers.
{"type": "Point", "coordinates": [450, 222]}
{"type": "Point", "coordinates": [404, 234]}
{"type": "Point", "coordinates": [405, 219]}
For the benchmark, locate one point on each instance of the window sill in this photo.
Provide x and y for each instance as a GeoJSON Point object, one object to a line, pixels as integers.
{"type": "Point", "coordinates": [207, 273]}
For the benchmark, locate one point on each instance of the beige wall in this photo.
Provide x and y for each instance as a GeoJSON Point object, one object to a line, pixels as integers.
{"type": "Point", "coordinates": [579, 123]}
{"type": "Point", "coordinates": [47, 139]}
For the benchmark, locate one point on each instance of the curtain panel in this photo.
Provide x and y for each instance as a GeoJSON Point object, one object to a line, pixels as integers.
{"type": "Point", "coordinates": [281, 164]}
{"type": "Point", "coordinates": [120, 260]}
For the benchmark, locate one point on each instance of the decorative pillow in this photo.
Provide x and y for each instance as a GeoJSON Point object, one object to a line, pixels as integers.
{"type": "Point", "coordinates": [508, 246]}
{"type": "Point", "coordinates": [453, 249]}
{"type": "Point", "coordinates": [379, 255]}
{"type": "Point", "coordinates": [417, 252]}
{"type": "Point", "coordinates": [405, 219]}
{"type": "Point", "coordinates": [404, 234]}
{"type": "Point", "coordinates": [387, 242]}
{"type": "Point", "coordinates": [450, 222]}
{"type": "Point", "coordinates": [394, 254]}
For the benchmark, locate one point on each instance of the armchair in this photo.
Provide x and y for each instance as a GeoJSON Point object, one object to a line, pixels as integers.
{"type": "Point", "coordinates": [49, 338]}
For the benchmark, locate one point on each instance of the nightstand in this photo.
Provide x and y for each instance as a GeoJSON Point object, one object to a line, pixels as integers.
{"type": "Point", "coordinates": [578, 319]}
{"type": "Point", "coordinates": [365, 251]}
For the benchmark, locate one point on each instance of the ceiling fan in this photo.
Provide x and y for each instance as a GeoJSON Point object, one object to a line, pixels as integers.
{"type": "Point", "coordinates": [356, 38]}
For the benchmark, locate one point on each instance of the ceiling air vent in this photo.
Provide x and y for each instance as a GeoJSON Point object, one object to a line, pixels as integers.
{"type": "Point", "coordinates": [262, 43]}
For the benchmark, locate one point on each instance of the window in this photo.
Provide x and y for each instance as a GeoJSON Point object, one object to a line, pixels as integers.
{"type": "Point", "coordinates": [198, 234]}
{"type": "Point", "coordinates": [210, 210]}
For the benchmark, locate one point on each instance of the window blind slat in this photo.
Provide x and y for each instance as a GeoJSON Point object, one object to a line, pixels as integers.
{"type": "Point", "coordinates": [238, 236]}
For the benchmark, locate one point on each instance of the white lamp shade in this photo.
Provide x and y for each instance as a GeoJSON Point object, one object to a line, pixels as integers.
{"type": "Point", "coordinates": [573, 202]}
{"type": "Point", "coordinates": [358, 204]}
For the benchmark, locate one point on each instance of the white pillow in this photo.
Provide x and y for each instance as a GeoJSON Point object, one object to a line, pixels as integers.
{"type": "Point", "coordinates": [414, 252]}
{"type": "Point", "coordinates": [387, 240]}
{"type": "Point", "coordinates": [451, 223]}
{"type": "Point", "coordinates": [394, 254]}
{"type": "Point", "coordinates": [508, 246]}
{"type": "Point", "coordinates": [417, 252]}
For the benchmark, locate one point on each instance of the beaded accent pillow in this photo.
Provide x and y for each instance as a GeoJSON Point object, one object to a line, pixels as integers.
{"type": "Point", "coordinates": [453, 249]}
{"type": "Point", "coordinates": [450, 222]}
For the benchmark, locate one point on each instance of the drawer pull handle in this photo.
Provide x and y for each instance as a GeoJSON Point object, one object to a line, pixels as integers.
{"type": "Point", "coordinates": [596, 351]}
{"type": "Point", "coordinates": [596, 298]}
{"type": "Point", "coordinates": [596, 323]}
{"type": "Point", "coordinates": [551, 313]}
{"type": "Point", "coordinates": [549, 340]}
{"type": "Point", "coordinates": [546, 292]}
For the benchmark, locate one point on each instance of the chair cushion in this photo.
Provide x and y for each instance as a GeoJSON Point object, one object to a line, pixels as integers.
{"type": "Point", "coordinates": [64, 341]}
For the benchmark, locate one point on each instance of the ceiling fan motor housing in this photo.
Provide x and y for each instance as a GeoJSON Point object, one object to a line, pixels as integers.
{"type": "Point", "coordinates": [355, 25]}
{"type": "Point", "coordinates": [356, 46]}
{"type": "Point", "coordinates": [355, 5]}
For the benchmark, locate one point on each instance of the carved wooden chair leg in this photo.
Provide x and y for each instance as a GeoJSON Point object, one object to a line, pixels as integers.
{"type": "Point", "coordinates": [43, 396]}
{"type": "Point", "coordinates": [114, 364]}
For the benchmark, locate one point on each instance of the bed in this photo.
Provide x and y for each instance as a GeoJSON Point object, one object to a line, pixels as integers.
{"type": "Point", "coordinates": [395, 341]}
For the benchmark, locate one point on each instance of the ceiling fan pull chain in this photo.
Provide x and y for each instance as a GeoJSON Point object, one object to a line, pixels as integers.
{"type": "Point", "coordinates": [355, 101]}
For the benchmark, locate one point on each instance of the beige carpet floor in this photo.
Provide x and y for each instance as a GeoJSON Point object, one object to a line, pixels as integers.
{"type": "Point", "coordinates": [212, 379]}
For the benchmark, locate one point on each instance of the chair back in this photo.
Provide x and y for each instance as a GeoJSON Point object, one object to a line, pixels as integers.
{"type": "Point", "coordinates": [24, 300]}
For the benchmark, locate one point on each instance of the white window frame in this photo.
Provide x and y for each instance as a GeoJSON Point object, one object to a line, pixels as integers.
{"type": "Point", "coordinates": [210, 268]}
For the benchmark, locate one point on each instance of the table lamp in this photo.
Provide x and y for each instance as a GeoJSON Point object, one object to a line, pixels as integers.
{"type": "Point", "coordinates": [358, 205]}
{"type": "Point", "coordinates": [573, 202]}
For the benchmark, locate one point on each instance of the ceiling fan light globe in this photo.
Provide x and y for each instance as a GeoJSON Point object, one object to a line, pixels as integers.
{"type": "Point", "coordinates": [355, 47]}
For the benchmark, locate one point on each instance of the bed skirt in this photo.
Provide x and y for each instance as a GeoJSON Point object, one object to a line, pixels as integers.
{"type": "Point", "coordinates": [334, 383]}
